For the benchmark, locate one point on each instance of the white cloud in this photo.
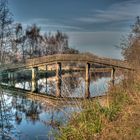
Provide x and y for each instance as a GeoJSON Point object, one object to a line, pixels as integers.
{"type": "Point", "coordinates": [60, 27]}
{"type": "Point", "coordinates": [50, 25]}
{"type": "Point", "coordinates": [122, 11]}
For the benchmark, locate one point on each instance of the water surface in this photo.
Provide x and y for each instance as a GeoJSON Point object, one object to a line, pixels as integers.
{"type": "Point", "coordinates": [25, 118]}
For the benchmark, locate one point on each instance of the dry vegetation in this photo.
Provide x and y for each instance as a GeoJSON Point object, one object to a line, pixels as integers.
{"type": "Point", "coordinates": [120, 119]}
{"type": "Point", "coordinates": [127, 124]}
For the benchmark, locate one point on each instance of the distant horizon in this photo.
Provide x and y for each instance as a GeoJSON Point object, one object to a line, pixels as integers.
{"type": "Point", "coordinates": [92, 26]}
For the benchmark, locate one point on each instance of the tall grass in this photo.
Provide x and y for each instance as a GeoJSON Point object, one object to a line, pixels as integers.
{"type": "Point", "coordinates": [88, 124]}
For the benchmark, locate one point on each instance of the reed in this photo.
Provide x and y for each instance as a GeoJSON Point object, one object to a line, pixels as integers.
{"type": "Point", "coordinates": [93, 118]}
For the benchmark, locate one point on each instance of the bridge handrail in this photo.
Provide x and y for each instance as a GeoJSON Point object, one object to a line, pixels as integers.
{"type": "Point", "coordinates": [67, 58]}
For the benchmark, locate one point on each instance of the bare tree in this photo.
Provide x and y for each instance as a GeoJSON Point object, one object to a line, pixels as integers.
{"type": "Point", "coordinates": [20, 41]}
{"type": "Point", "coordinates": [131, 46]}
{"type": "Point", "coordinates": [33, 40]}
{"type": "Point", "coordinates": [61, 42]}
{"type": "Point", "coordinates": [57, 44]}
{"type": "Point", "coordinates": [5, 32]}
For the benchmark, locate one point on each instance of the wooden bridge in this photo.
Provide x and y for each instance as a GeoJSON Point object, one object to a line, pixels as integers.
{"type": "Point", "coordinates": [53, 59]}
{"type": "Point", "coordinates": [58, 60]}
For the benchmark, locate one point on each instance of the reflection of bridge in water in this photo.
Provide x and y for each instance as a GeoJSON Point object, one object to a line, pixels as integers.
{"type": "Point", "coordinates": [61, 63]}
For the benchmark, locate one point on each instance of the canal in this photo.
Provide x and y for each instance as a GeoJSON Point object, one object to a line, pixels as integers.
{"type": "Point", "coordinates": [24, 118]}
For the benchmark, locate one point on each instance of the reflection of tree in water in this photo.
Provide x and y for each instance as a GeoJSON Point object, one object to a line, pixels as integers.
{"type": "Point", "coordinates": [70, 83]}
{"type": "Point", "coordinates": [75, 82]}
{"type": "Point", "coordinates": [5, 118]}
{"type": "Point", "coordinates": [53, 122]}
{"type": "Point", "coordinates": [51, 87]}
{"type": "Point", "coordinates": [18, 108]}
{"type": "Point", "coordinates": [55, 119]}
{"type": "Point", "coordinates": [29, 109]}
{"type": "Point", "coordinates": [98, 75]}
{"type": "Point", "coordinates": [33, 111]}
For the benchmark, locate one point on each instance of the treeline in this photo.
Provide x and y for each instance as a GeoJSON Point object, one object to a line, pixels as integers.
{"type": "Point", "coordinates": [18, 43]}
{"type": "Point", "coordinates": [30, 43]}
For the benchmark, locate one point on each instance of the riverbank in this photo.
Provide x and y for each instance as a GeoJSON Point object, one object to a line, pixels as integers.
{"type": "Point", "coordinates": [119, 119]}
{"type": "Point", "coordinates": [127, 124]}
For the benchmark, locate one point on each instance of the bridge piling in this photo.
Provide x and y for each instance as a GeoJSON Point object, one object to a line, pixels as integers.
{"type": "Point", "coordinates": [46, 76]}
{"type": "Point", "coordinates": [113, 76]}
{"type": "Point", "coordinates": [34, 79]}
{"type": "Point", "coordinates": [58, 79]}
{"type": "Point", "coordinates": [87, 81]}
{"type": "Point", "coordinates": [11, 78]}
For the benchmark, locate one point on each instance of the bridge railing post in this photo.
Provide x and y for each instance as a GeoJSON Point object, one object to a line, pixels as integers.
{"type": "Point", "coordinates": [87, 81]}
{"type": "Point", "coordinates": [11, 77]}
{"type": "Point", "coordinates": [46, 76]}
{"type": "Point", "coordinates": [113, 76]}
{"type": "Point", "coordinates": [58, 79]}
{"type": "Point", "coordinates": [34, 79]}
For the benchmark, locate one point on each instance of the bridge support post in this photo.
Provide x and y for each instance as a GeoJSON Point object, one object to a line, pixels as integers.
{"type": "Point", "coordinates": [113, 76]}
{"type": "Point", "coordinates": [34, 79]}
{"type": "Point", "coordinates": [1, 77]}
{"type": "Point", "coordinates": [4, 76]}
{"type": "Point", "coordinates": [87, 81]}
{"type": "Point", "coordinates": [58, 79]}
{"type": "Point", "coordinates": [46, 76]}
{"type": "Point", "coordinates": [11, 78]}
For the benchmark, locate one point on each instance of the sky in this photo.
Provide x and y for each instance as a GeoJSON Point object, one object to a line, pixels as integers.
{"type": "Point", "coordinates": [95, 26]}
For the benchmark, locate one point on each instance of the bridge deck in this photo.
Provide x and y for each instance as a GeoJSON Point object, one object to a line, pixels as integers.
{"type": "Point", "coordinates": [77, 58]}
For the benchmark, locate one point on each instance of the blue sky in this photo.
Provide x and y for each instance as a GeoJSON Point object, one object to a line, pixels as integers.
{"type": "Point", "coordinates": [92, 25]}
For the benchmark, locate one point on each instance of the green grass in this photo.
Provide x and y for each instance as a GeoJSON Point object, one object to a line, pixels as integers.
{"type": "Point", "coordinates": [88, 123]}
{"type": "Point", "coordinates": [82, 125]}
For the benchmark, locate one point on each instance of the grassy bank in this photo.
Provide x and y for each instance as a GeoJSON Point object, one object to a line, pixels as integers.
{"type": "Point", "coordinates": [118, 119]}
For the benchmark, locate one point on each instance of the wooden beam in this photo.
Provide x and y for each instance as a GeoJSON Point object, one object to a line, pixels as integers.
{"type": "Point", "coordinates": [113, 76]}
{"type": "Point", "coordinates": [76, 58]}
{"type": "Point", "coordinates": [58, 79]}
{"type": "Point", "coordinates": [34, 79]}
{"type": "Point", "coordinates": [87, 81]}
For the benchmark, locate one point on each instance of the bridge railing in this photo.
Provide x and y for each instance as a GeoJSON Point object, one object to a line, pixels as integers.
{"type": "Point", "coordinates": [67, 58]}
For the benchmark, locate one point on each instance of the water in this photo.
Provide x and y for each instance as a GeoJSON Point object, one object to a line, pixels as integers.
{"type": "Point", "coordinates": [73, 85]}
{"type": "Point", "coordinates": [23, 118]}
{"type": "Point", "coordinates": [26, 118]}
